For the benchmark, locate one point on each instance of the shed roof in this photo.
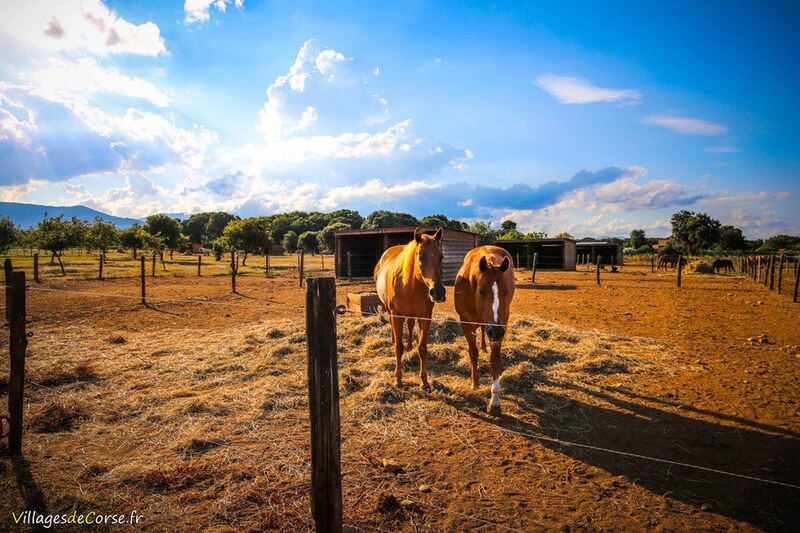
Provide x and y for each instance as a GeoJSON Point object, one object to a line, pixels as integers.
{"type": "Point", "coordinates": [597, 243]}
{"type": "Point", "coordinates": [381, 231]}
{"type": "Point", "coordinates": [530, 241]}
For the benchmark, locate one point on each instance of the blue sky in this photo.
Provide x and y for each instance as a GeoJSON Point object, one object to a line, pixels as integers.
{"type": "Point", "coordinates": [572, 116]}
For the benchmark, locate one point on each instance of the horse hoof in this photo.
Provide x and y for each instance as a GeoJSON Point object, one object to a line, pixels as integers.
{"type": "Point", "coordinates": [398, 382]}
{"type": "Point", "coordinates": [475, 385]}
{"type": "Point", "coordinates": [494, 410]}
{"type": "Point", "coordinates": [425, 387]}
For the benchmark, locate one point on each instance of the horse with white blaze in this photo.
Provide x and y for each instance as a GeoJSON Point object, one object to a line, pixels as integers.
{"type": "Point", "coordinates": [484, 290]}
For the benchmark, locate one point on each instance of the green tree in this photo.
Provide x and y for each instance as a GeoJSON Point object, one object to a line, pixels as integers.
{"type": "Point", "coordinates": [509, 235]}
{"type": "Point", "coordinates": [195, 226]}
{"type": "Point", "coordinates": [8, 234]}
{"type": "Point", "coordinates": [694, 231]}
{"type": "Point", "coordinates": [535, 235]}
{"type": "Point", "coordinates": [308, 241]}
{"type": "Point", "coordinates": [289, 241]}
{"type": "Point", "coordinates": [486, 235]}
{"type": "Point", "coordinates": [731, 239]}
{"type": "Point", "coordinates": [167, 228]}
{"type": "Point", "coordinates": [102, 236]}
{"type": "Point", "coordinates": [55, 234]}
{"type": "Point", "coordinates": [637, 239]}
{"type": "Point", "coordinates": [133, 238]}
{"type": "Point", "coordinates": [565, 235]}
{"type": "Point", "coordinates": [326, 238]}
{"type": "Point", "coordinates": [442, 220]}
{"type": "Point", "coordinates": [508, 225]}
{"type": "Point", "coordinates": [216, 225]}
{"type": "Point", "coordinates": [389, 219]}
{"type": "Point", "coordinates": [780, 242]}
{"type": "Point", "coordinates": [247, 235]}
{"type": "Point", "coordinates": [346, 216]}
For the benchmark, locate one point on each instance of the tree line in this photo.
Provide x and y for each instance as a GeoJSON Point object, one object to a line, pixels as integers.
{"type": "Point", "coordinates": [692, 233]}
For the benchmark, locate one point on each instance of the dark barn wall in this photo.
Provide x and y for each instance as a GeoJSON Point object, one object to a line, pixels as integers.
{"type": "Point", "coordinates": [553, 254]}
{"type": "Point", "coordinates": [610, 254]}
{"type": "Point", "coordinates": [367, 246]}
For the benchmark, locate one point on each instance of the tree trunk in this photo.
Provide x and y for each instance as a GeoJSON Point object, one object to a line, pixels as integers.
{"type": "Point", "coordinates": [244, 259]}
{"type": "Point", "coordinates": [134, 253]}
{"type": "Point", "coordinates": [63, 272]}
{"type": "Point", "coordinates": [53, 259]}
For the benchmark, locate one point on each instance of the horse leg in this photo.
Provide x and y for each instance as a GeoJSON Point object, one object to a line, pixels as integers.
{"type": "Point", "coordinates": [410, 345]}
{"type": "Point", "coordinates": [397, 337]}
{"type": "Point", "coordinates": [471, 333]}
{"type": "Point", "coordinates": [483, 339]}
{"type": "Point", "coordinates": [422, 349]}
{"type": "Point", "coordinates": [497, 368]}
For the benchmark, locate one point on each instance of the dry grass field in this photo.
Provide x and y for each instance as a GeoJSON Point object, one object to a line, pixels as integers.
{"type": "Point", "coordinates": [193, 410]}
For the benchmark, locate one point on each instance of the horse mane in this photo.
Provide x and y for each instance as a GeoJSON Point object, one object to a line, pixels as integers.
{"type": "Point", "coordinates": [409, 264]}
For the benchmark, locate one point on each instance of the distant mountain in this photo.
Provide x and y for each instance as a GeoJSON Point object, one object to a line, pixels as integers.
{"type": "Point", "coordinates": [29, 215]}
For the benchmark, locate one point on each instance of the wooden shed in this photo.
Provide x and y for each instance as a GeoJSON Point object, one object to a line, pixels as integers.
{"type": "Point", "coordinates": [554, 254]}
{"type": "Point", "coordinates": [365, 247]}
{"type": "Point", "coordinates": [610, 254]}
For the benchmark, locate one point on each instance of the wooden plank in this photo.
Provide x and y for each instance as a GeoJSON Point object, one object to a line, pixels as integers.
{"type": "Point", "coordinates": [18, 344]}
{"type": "Point", "coordinates": [323, 404]}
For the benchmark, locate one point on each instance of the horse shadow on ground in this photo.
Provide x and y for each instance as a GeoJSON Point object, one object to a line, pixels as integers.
{"type": "Point", "coordinates": [637, 428]}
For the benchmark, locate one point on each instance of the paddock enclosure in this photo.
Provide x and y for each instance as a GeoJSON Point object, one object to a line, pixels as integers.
{"type": "Point", "coordinates": [552, 254]}
{"type": "Point", "coordinates": [630, 406]}
{"type": "Point", "coordinates": [358, 251]}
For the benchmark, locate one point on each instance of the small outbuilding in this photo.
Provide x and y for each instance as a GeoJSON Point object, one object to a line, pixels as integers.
{"type": "Point", "coordinates": [610, 253]}
{"type": "Point", "coordinates": [553, 254]}
{"type": "Point", "coordinates": [358, 250]}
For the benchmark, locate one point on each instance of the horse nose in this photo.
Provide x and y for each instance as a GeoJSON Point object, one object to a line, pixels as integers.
{"type": "Point", "coordinates": [495, 333]}
{"type": "Point", "coordinates": [437, 293]}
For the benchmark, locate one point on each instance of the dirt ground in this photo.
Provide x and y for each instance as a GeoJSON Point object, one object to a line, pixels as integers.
{"type": "Point", "coordinates": [193, 410]}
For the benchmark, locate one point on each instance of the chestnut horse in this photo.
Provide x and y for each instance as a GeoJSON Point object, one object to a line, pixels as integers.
{"type": "Point", "coordinates": [483, 293]}
{"type": "Point", "coordinates": [409, 281]}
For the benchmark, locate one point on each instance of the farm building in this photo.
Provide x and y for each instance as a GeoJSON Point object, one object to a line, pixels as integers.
{"type": "Point", "coordinates": [554, 254]}
{"type": "Point", "coordinates": [366, 246]}
{"type": "Point", "coordinates": [610, 254]}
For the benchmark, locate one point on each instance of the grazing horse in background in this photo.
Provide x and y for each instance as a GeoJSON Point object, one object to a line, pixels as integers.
{"type": "Point", "coordinates": [719, 264]}
{"type": "Point", "coordinates": [483, 293]}
{"type": "Point", "coordinates": [669, 260]}
{"type": "Point", "coordinates": [409, 281]}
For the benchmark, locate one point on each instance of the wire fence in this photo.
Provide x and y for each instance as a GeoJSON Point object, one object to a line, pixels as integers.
{"type": "Point", "coordinates": [236, 444]}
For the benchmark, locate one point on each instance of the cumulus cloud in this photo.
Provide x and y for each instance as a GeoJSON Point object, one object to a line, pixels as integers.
{"type": "Point", "coordinates": [85, 26]}
{"type": "Point", "coordinates": [199, 10]}
{"type": "Point", "coordinates": [686, 125]}
{"type": "Point", "coordinates": [572, 90]}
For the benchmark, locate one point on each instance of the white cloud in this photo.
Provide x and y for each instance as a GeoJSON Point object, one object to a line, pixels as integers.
{"type": "Point", "coordinates": [686, 125]}
{"type": "Point", "coordinates": [572, 90]}
{"type": "Point", "coordinates": [198, 10]}
{"type": "Point", "coordinates": [86, 76]}
{"type": "Point", "coordinates": [85, 26]}
{"type": "Point", "coordinates": [374, 190]}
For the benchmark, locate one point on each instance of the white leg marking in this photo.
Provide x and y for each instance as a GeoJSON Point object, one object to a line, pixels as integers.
{"type": "Point", "coordinates": [495, 393]}
{"type": "Point", "coordinates": [496, 302]}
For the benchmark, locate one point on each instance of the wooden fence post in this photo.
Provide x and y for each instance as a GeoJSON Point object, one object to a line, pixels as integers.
{"type": "Point", "coordinates": [141, 258]}
{"type": "Point", "coordinates": [680, 269]}
{"type": "Point", "coordinates": [153, 271]}
{"type": "Point", "coordinates": [8, 269]}
{"type": "Point", "coordinates": [652, 264]}
{"type": "Point", "coordinates": [199, 264]}
{"type": "Point", "coordinates": [233, 272]}
{"type": "Point", "coordinates": [757, 272]}
{"type": "Point", "coordinates": [349, 267]}
{"type": "Point", "coordinates": [301, 264]}
{"type": "Point", "coordinates": [100, 268]}
{"type": "Point", "coordinates": [771, 272]}
{"type": "Point", "coordinates": [597, 270]}
{"type": "Point", "coordinates": [766, 272]}
{"type": "Point", "coordinates": [533, 268]}
{"type": "Point", "coordinates": [796, 279]}
{"type": "Point", "coordinates": [18, 343]}
{"type": "Point", "coordinates": [36, 268]}
{"type": "Point", "coordinates": [266, 265]}
{"type": "Point", "coordinates": [517, 260]}
{"type": "Point", "coordinates": [323, 404]}
{"type": "Point", "coordinates": [780, 274]}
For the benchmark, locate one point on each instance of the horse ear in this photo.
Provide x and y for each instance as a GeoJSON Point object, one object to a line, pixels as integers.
{"type": "Point", "coordinates": [438, 235]}
{"type": "Point", "coordinates": [482, 264]}
{"type": "Point", "coordinates": [417, 235]}
{"type": "Point", "coordinates": [504, 265]}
